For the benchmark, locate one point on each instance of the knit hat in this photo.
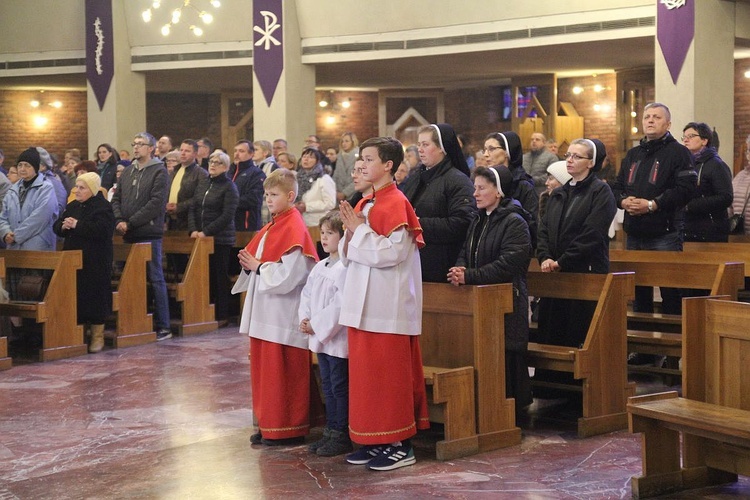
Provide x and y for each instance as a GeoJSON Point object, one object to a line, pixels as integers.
{"type": "Point", "coordinates": [30, 156]}
{"type": "Point", "coordinates": [44, 158]}
{"type": "Point", "coordinates": [559, 171]}
{"type": "Point", "coordinates": [92, 180]}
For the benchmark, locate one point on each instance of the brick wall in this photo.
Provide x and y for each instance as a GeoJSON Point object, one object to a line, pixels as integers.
{"type": "Point", "coordinates": [66, 127]}
{"type": "Point", "coordinates": [361, 117]}
{"type": "Point", "coordinates": [184, 116]}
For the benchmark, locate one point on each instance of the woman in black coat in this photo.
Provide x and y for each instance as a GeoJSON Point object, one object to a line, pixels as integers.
{"type": "Point", "coordinates": [87, 224]}
{"type": "Point", "coordinates": [441, 193]}
{"type": "Point", "coordinates": [573, 238]}
{"type": "Point", "coordinates": [497, 249]}
{"type": "Point", "coordinates": [706, 215]}
{"type": "Point", "coordinates": [212, 214]}
{"type": "Point", "coordinates": [107, 159]}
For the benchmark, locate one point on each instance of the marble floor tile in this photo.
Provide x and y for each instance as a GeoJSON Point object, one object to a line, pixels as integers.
{"type": "Point", "coordinates": [171, 420]}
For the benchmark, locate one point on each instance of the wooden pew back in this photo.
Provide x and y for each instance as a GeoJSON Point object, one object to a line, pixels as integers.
{"type": "Point", "coordinates": [129, 301]}
{"type": "Point", "coordinates": [464, 326]}
{"type": "Point", "coordinates": [57, 312]}
{"type": "Point", "coordinates": [680, 270]}
{"type": "Point", "coordinates": [601, 361]}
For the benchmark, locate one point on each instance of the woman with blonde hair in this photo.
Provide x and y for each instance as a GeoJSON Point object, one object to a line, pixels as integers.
{"type": "Point", "coordinates": [342, 174]}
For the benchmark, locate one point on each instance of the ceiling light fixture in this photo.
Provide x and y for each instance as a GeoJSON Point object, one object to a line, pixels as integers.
{"type": "Point", "coordinates": [176, 14]}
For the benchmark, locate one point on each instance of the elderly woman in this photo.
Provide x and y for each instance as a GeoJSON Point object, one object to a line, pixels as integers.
{"type": "Point", "coordinates": [497, 249]}
{"type": "Point", "coordinates": [317, 191]}
{"type": "Point", "coordinates": [171, 160]}
{"type": "Point", "coordinates": [87, 224]}
{"type": "Point", "coordinates": [441, 193]}
{"type": "Point", "coordinates": [86, 166]}
{"type": "Point", "coordinates": [212, 214]}
{"type": "Point", "coordinates": [706, 215]}
{"type": "Point", "coordinates": [29, 208]}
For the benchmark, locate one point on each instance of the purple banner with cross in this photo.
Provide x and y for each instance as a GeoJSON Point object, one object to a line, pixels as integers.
{"type": "Point", "coordinates": [675, 28]}
{"type": "Point", "coordinates": [100, 59]}
{"type": "Point", "coordinates": [268, 46]}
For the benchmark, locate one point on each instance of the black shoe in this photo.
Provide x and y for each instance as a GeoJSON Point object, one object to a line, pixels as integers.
{"type": "Point", "coordinates": [283, 442]}
{"type": "Point", "coordinates": [163, 334]}
{"type": "Point", "coordinates": [338, 444]}
{"type": "Point", "coordinates": [256, 438]}
{"type": "Point", "coordinates": [313, 448]}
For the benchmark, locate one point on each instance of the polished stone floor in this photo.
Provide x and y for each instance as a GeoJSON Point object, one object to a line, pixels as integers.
{"type": "Point", "coordinates": [172, 420]}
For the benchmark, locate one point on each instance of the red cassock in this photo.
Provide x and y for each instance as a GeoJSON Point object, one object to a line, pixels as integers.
{"type": "Point", "coordinates": [283, 391]}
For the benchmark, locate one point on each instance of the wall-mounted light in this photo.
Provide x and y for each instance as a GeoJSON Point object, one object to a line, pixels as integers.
{"type": "Point", "coordinates": [322, 103]}
{"type": "Point", "coordinates": [330, 120]}
{"type": "Point", "coordinates": [598, 88]}
{"type": "Point", "coordinates": [40, 121]}
{"type": "Point", "coordinates": [577, 89]}
{"type": "Point", "coordinates": [634, 130]}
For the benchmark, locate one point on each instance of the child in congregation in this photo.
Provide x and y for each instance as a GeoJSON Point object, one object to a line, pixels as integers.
{"type": "Point", "coordinates": [382, 306]}
{"type": "Point", "coordinates": [319, 311]}
{"type": "Point", "coordinates": [277, 262]}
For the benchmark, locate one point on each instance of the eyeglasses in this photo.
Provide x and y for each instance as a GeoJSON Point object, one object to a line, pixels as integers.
{"type": "Point", "coordinates": [576, 156]}
{"type": "Point", "coordinates": [139, 144]}
{"type": "Point", "coordinates": [689, 136]}
{"type": "Point", "coordinates": [214, 162]}
{"type": "Point", "coordinates": [491, 149]}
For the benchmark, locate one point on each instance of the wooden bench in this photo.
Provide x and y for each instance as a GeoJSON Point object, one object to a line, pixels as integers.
{"type": "Point", "coordinates": [192, 291]}
{"type": "Point", "coordinates": [5, 361]}
{"type": "Point", "coordinates": [62, 337]}
{"type": "Point", "coordinates": [646, 331]}
{"type": "Point", "coordinates": [736, 250]}
{"type": "Point", "coordinates": [601, 362]}
{"type": "Point", "coordinates": [713, 416]}
{"type": "Point", "coordinates": [134, 324]}
{"type": "Point", "coordinates": [463, 346]}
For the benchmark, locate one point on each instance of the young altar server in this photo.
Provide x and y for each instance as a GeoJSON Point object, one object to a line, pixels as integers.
{"type": "Point", "coordinates": [382, 306]}
{"type": "Point", "coordinates": [276, 264]}
{"type": "Point", "coordinates": [319, 311]}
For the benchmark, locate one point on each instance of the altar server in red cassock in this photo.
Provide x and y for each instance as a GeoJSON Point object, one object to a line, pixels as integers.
{"type": "Point", "coordinates": [276, 264]}
{"type": "Point", "coordinates": [382, 306]}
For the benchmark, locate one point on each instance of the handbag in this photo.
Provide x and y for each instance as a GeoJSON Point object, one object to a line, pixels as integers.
{"type": "Point", "coordinates": [737, 221]}
{"type": "Point", "coordinates": [31, 287]}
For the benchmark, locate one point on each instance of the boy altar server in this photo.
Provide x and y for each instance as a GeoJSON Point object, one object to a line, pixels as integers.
{"type": "Point", "coordinates": [276, 264]}
{"type": "Point", "coordinates": [382, 306]}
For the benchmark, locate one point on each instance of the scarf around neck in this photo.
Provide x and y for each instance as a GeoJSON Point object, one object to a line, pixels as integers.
{"type": "Point", "coordinates": [305, 179]}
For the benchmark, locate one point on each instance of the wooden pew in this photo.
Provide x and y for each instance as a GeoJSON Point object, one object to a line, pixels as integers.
{"type": "Point", "coordinates": [713, 416]}
{"type": "Point", "coordinates": [601, 362]}
{"type": "Point", "coordinates": [192, 291]}
{"type": "Point", "coordinates": [464, 327]}
{"type": "Point", "coordinates": [134, 325]}
{"type": "Point", "coordinates": [5, 361]}
{"type": "Point", "coordinates": [656, 333]}
{"type": "Point", "coordinates": [734, 251]}
{"type": "Point", "coordinates": [57, 313]}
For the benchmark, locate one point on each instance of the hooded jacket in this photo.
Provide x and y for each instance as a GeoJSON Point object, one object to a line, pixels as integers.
{"type": "Point", "coordinates": [31, 224]}
{"type": "Point", "coordinates": [497, 249]}
{"type": "Point", "coordinates": [141, 200]}
{"type": "Point", "coordinates": [659, 170]}
{"type": "Point", "coordinates": [706, 215]}
{"type": "Point", "coordinates": [443, 199]}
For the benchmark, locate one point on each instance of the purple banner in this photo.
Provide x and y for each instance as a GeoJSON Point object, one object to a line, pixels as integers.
{"type": "Point", "coordinates": [675, 28]}
{"type": "Point", "coordinates": [100, 58]}
{"type": "Point", "coordinates": [268, 47]}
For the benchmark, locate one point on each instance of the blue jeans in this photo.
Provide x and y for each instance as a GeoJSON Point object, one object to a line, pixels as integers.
{"type": "Point", "coordinates": [334, 373]}
{"type": "Point", "coordinates": [644, 296]}
{"type": "Point", "coordinates": [158, 287]}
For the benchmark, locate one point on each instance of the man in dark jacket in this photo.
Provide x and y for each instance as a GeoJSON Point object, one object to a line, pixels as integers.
{"type": "Point", "coordinates": [249, 180]}
{"type": "Point", "coordinates": [183, 183]}
{"type": "Point", "coordinates": [139, 204]}
{"type": "Point", "coordinates": [655, 182]}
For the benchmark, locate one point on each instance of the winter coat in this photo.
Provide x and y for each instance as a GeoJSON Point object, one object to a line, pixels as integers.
{"type": "Point", "coordinates": [141, 200]}
{"type": "Point", "coordinates": [31, 224]}
{"type": "Point", "coordinates": [659, 170]}
{"type": "Point", "coordinates": [93, 236]}
{"type": "Point", "coordinates": [214, 209]}
{"type": "Point", "coordinates": [249, 181]}
{"type": "Point", "coordinates": [342, 175]}
{"type": "Point", "coordinates": [497, 249]}
{"type": "Point", "coordinates": [443, 199]}
{"type": "Point", "coordinates": [574, 229]}
{"type": "Point", "coordinates": [108, 173]}
{"type": "Point", "coordinates": [706, 215]}
{"type": "Point", "coordinates": [193, 175]}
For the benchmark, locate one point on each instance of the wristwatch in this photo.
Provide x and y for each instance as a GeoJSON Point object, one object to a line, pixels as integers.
{"type": "Point", "coordinates": [650, 206]}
